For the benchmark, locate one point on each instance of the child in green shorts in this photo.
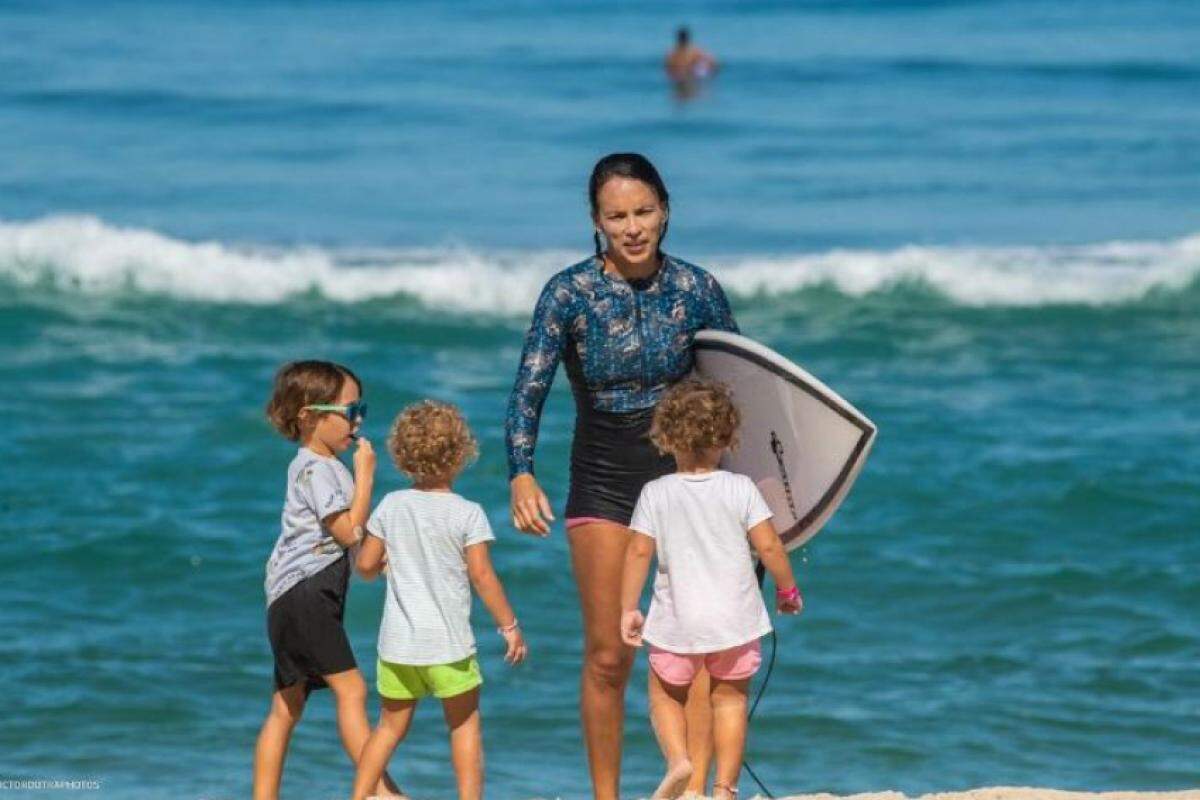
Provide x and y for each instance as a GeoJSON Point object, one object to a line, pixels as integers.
{"type": "Point", "coordinates": [435, 544]}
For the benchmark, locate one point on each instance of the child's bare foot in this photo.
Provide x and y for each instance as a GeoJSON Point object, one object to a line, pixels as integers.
{"type": "Point", "coordinates": [675, 781]}
{"type": "Point", "coordinates": [387, 789]}
{"type": "Point", "coordinates": [723, 791]}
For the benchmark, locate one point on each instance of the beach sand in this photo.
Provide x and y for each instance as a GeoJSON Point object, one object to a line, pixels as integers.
{"type": "Point", "coordinates": [1007, 793]}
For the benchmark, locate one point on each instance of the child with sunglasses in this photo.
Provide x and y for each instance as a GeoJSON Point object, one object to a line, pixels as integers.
{"type": "Point", "coordinates": [318, 404]}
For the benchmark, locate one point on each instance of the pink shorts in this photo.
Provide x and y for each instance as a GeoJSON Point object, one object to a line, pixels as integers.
{"type": "Point", "coordinates": [734, 664]}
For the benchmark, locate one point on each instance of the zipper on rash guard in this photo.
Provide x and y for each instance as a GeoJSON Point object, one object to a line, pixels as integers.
{"type": "Point", "coordinates": [616, 390]}
{"type": "Point", "coordinates": [641, 338]}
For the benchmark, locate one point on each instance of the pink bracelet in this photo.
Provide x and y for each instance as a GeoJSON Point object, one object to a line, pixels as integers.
{"type": "Point", "coordinates": [788, 594]}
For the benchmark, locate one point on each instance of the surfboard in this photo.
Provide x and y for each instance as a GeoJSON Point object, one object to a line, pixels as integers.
{"type": "Point", "coordinates": [801, 442]}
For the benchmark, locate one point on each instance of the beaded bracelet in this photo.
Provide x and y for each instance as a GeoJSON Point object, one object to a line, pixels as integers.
{"type": "Point", "coordinates": [788, 594]}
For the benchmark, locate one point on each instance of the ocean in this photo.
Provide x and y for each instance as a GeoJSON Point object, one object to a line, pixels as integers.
{"type": "Point", "coordinates": [974, 219]}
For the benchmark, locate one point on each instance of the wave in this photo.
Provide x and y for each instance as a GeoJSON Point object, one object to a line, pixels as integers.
{"type": "Point", "coordinates": [857, 70]}
{"type": "Point", "coordinates": [120, 103]}
{"type": "Point", "coordinates": [1131, 70]}
{"type": "Point", "coordinates": [83, 255]}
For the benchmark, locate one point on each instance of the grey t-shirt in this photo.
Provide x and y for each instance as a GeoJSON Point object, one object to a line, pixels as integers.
{"type": "Point", "coordinates": [427, 606]}
{"type": "Point", "coordinates": [317, 486]}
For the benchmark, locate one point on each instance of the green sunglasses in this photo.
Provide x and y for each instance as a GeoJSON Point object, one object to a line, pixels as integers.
{"type": "Point", "coordinates": [353, 412]}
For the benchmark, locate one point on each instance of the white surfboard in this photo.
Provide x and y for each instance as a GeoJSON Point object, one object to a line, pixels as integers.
{"type": "Point", "coordinates": [801, 443]}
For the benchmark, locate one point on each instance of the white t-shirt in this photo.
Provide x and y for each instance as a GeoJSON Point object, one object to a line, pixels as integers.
{"type": "Point", "coordinates": [427, 606]}
{"type": "Point", "coordinates": [706, 597]}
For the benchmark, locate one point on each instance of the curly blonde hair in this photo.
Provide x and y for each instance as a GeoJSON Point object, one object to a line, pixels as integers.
{"type": "Point", "coordinates": [430, 439]}
{"type": "Point", "coordinates": [695, 415]}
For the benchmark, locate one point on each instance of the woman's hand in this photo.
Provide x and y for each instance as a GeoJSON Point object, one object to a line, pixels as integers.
{"type": "Point", "coordinates": [530, 508]}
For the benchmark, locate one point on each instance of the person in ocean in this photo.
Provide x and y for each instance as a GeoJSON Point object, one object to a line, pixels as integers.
{"type": "Point", "coordinates": [705, 525]}
{"type": "Point", "coordinates": [319, 404]}
{"type": "Point", "coordinates": [435, 543]}
{"type": "Point", "coordinates": [688, 63]}
{"type": "Point", "coordinates": [622, 322]}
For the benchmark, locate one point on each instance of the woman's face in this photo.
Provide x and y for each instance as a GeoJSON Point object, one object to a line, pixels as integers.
{"type": "Point", "coordinates": [631, 217]}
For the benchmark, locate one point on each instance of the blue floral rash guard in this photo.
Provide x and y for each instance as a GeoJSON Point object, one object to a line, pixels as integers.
{"type": "Point", "coordinates": [623, 342]}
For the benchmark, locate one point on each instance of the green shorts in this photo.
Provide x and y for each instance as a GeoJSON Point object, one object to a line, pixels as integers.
{"type": "Point", "coordinates": [406, 682]}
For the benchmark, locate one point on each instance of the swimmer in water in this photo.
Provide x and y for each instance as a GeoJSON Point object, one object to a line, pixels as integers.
{"type": "Point", "coordinates": [687, 63]}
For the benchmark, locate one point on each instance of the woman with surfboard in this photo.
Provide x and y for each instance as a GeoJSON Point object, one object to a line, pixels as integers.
{"type": "Point", "coordinates": [622, 322]}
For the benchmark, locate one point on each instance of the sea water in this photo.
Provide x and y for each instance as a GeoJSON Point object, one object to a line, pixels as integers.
{"type": "Point", "coordinates": [975, 220]}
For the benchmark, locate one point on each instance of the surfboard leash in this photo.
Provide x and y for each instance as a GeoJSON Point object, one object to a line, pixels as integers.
{"type": "Point", "coordinates": [761, 572]}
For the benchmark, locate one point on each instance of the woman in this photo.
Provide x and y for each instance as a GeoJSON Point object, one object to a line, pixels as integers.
{"type": "Point", "coordinates": [623, 323]}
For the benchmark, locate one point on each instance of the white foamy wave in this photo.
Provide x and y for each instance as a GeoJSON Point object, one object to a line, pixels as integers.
{"type": "Point", "coordinates": [1112, 272]}
{"type": "Point", "coordinates": [79, 253]}
{"type": "Point", "coordinates": [83, 254]}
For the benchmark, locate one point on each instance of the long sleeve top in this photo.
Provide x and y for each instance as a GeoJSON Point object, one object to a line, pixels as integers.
{"type": "Point", "coordinates": [622, 342]}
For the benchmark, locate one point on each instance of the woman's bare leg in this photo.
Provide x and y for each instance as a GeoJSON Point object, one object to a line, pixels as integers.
{"type": "Point", "coordinates": [670, 728]}
{"type": "Point", "coordinates": [466, 743]}
{"type": "Point", "coordinates": [394, 721]}
{"type": "Point", "coordinates": [729, 732]}
{"type": "Point", "coordinates": [287, 705]}
{"type": "Point", "coordinates": [350, 696]}
{"type": "Point", "coordinates": [597, 559]}
{"type": "Point", "coordinates": [699, 732]}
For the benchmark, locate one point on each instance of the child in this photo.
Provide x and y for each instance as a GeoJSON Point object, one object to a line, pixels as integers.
{"type": "Point", "coordinates": [707, 609]}
{"type": "Point", "coordinates": [436, 547]}
{"type": "Point", "coordinates": [320, 405]}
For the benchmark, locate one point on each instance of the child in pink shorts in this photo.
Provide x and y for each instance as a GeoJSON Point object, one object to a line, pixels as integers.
{"type": "Point", "coordinates": [707, 610]}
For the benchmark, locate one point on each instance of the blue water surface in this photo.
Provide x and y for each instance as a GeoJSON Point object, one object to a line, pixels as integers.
{"type": "Point", "coordinates": [975, 220]}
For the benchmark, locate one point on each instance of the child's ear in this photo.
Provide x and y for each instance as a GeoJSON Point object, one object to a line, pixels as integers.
{"type": "Point", "coordinates": [306, 419]}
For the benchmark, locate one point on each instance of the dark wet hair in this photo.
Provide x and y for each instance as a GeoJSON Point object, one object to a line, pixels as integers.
{"type": "Point", "coordinates": [683, 35]}
{"type": "Point", "coordinates": [305, 383]}
{"type": "Point", "coordinates": [626, 165]}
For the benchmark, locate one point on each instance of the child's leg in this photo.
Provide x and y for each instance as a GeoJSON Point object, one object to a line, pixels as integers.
{"type": "Point", "coordinates": [466, 742]}
{"type": "Point", "coordinates": [286, 707]}
{"type": "Point", "coordinates": [699, 732]}
{"type": "Point", "coordinates": [350, 695]}
{"type": "Point", "coordinates": [729, 733]}
{"type": "Point", "coordinates": [670, 728]}
{"type": "Point", "coordinates": [394, 720]}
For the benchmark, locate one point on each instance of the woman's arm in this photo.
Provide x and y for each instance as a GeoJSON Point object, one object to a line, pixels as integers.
{"type": "Point", "coordinates": [719, 314]}
{"type": "Point", "coordinates": [544, 344]}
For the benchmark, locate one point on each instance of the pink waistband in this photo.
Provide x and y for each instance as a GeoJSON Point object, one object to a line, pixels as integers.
{"type": "Point", "coordinates": [574, 522]}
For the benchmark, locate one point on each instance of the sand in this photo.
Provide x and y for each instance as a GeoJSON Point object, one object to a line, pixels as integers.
{"type": "Point", "coordinates": [1005, 793]}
